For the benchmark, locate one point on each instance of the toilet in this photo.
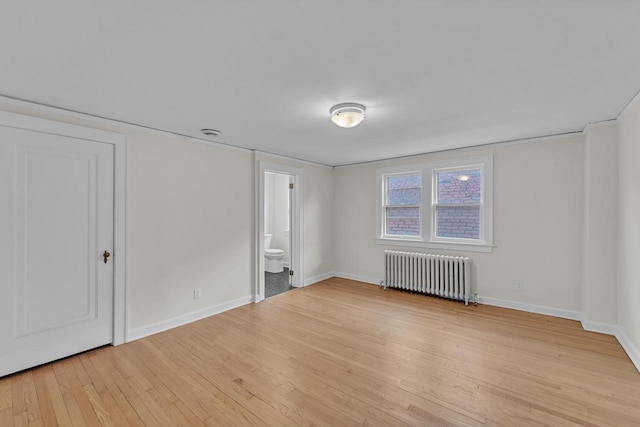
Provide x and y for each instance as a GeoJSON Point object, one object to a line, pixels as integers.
{"type": "Point", "coordinates": [272, 257]}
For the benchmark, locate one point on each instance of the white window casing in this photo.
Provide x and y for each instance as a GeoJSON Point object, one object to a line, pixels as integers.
{"type": "Point", "coordinates": [429, 204]}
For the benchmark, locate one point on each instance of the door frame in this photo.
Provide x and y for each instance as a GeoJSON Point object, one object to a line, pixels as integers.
{"type": "Point", "coordinates": [119, 142]}
{"type": "Point", "coordinates": [296, 250]}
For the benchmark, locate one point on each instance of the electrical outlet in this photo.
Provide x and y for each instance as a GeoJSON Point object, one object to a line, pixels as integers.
{"type": "Point", "coordinates": [197, 293]}
{"type": "Point", "coordinates": [519, 286]}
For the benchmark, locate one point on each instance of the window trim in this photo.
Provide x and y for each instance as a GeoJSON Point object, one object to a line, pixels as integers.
{"type": "Point", "coordinates": [427, 237]}
{"type": "Point", "coordinates": [433, 171]}
{"type": "Point", "coordinates": [385, 205]}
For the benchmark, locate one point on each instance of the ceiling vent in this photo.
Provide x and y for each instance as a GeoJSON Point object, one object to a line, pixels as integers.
{"type": "Point", "coordinates": [211, 133]}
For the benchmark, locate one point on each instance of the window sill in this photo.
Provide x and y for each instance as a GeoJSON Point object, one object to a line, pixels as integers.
{"type": "Point", "coordinates": [467, 247]}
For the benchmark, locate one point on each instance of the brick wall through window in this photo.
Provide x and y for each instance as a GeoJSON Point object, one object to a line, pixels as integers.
{"type": "Point", "coordinates": [458, 187]}
{"type": "Point", "coordinates": [403, 190]}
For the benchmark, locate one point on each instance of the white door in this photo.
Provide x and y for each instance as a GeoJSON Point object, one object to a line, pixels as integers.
{"type": "Point", "coordinates": [56, 222]}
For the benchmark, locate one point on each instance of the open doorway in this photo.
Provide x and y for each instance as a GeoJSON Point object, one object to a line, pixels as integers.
{"type": "Point", "coordinates": [277, 238]}
{"type": "Point", "coordinates": [279, 230]}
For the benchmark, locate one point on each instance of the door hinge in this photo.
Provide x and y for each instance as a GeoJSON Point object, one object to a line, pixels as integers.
{"type": "Point", "coordinates": [291, 186]}
{"type": "Point", "coordinates": [290, 272]}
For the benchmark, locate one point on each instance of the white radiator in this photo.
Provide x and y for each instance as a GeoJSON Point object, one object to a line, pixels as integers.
{"type": "Point", "coordinates": [441, 275]}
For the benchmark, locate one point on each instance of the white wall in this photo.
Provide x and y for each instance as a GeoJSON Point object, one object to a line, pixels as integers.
{"type": "Point", "coordinates": [629, 230]}
{"type": "Point", "coordinates": [600, 226]}
{"type": "Point", "coordinates": [538, 223]}
{"type": "Point", "coordinates": [269, 202]}
{"type": "Point", "coordinates": [189, 226]}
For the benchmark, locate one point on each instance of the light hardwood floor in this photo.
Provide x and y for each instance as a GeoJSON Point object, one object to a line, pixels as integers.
{"type": "Point", "coordinates": [340, 353]}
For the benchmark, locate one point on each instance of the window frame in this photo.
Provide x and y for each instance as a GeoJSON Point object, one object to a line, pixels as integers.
{"type": "Point", "coordinates": [385, 205]}
{"type": "Point", "coordinates": [435, 204]}
{"type": "Point", "coordinates": [428, 238]}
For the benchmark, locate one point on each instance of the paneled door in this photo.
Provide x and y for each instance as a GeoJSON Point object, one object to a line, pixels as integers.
{"type": "Point", "coordinates": [56, 239]}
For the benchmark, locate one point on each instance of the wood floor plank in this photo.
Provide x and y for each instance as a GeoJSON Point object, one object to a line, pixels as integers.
{"type": "Point", "coordinates": [195, 400]}
{"type": "Point", "coordinates": [218, 376]}
{"type": "Point", "coordinates": [80, 409]}
{"type": "Point", "coordinates": [6, 402]}
{"type": "Point", "coordinates": [133, 419]}
{"type": "Point", "coordinates": [60, 410]}
{"type": "Point", "coordinates": [339, 375]}
{"type": "Point", "coordinates": [189, 416]}
{"type": "Point", "coordinates": [45, 399]}
{"type": "Point", "coordinates": [19, 400]}
{"type": "Point", "coordinates": [199, 394]}
{"type": "Point", "coordinates": [99, 406]}
{"type": "Point", "coordinates": [6, 417]}
{"type": "Point", "coordinates": [350, 364]}
{"type": "Point", "coordinates": [122, 413]}
{"type": "Point", "coordinates": [158, 391]}
{"type": "Point", "coordinates": [27, 411]}
{"type": "Point", "coordinates": [341, 353]}
{"type": "Point", "coordinates": [133, 391]}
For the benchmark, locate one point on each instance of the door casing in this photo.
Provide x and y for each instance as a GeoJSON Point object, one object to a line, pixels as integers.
{"type": "Point", "coordinates": [297, 241]}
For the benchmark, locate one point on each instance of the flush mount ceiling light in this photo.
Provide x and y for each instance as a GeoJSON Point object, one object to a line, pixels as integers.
{"type": "Point", "coordinates": [347, 115]}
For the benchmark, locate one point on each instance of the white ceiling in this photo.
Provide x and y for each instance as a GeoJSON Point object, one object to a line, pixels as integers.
{"type": "Point", "coordinates": [433, 74]}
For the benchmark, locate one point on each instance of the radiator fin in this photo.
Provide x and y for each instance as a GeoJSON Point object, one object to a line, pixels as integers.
{"type": "Point", "coordinates": [441, 275]}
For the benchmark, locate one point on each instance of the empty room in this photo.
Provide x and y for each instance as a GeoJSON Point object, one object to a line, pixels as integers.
{"type": "Point", "coordinates": [331, 213]}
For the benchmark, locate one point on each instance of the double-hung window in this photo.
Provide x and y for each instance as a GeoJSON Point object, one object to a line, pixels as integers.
{"type": "Point", "coordinates": [446, 204]}
{"type": "Point", "coordinates": [402, 206]}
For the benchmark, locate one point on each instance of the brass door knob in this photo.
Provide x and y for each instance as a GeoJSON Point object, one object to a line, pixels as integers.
{"type": "Point", "coordinates": [106, 255]}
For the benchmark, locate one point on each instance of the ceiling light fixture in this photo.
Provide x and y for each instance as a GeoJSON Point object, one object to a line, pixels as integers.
{"type": "Point", "coordinates": [347, 115]}
{"type": "Point", "coordinates": [212, 133]}
{"type": "Point", "coordinates": [463, 178]}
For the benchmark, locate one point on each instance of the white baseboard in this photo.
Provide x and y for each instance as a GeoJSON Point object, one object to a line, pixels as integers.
{"type": "Point", "coordinates": [599, 327]}
{"type": "Point", "coordinates": [320, 277]}
{"type": "Point", "coordinates": [350, 276]}
{"type": "Point", "coordinates": [531, 308]}
{"type": "Point", "coordinates": [627, 345]}
{"type": "Point", "coordinates": [165, 325]}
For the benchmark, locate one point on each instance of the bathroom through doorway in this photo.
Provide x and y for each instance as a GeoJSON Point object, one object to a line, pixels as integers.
{"type": "Point", "coordinates": [277, 238]}
{"type": "Point", "coordinates": [279, 254]}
